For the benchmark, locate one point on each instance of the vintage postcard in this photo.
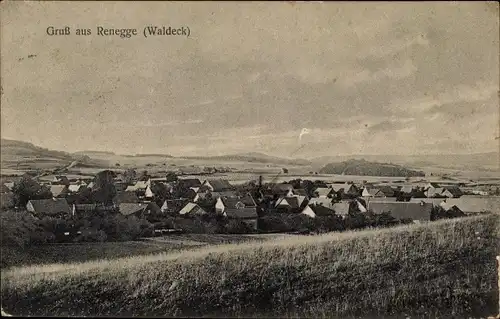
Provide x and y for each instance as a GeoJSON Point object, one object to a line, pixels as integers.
{"type": "Point", "coordinates": [250, 159]}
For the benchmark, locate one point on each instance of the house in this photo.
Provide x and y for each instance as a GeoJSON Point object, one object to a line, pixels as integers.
{"type": "Point", "coordinates": [140, 210]}
{"type": "Point", "coordinates": [344, 188]}
{"type": "Point", "coordinates": [323, 192]}
{"type": "Point", "coordinates": [213, 195]}
{"type": "Point", "coordinates": [81, 182]}
{"type": "Point", "coordinates": [130, 188]}
{"type": "Point", "coordinates": [267, 193]}
{"type": "Point", "coordinates": [192, 209]}
{"type": "Point", "coordinates": [9, 185]}
{"type": "Point", "coordinates": [452, 192]}
{"type": "Point", "coordinates": [472, 204]}
{"type": "Point", "coordinates": [387, 191]}
{"type": "Point", "coordinates": [299, 192]}
{"type": "Point", "coordinates": [5, 189]}
{"type": "Point", "coordinates": [55, 207]}
{"type": "Point", "coordinates": [326, 202]}
{"type": "Point", "coordinates": [248, 215]}
{"type": "Point", "coordinates": [342, 208]}
{"type": "Point", "coordinates": [87, 210]}
{"type": "Point", "coordinates": [194, 189]}
{"type": "Point", "coordinates": [149, 193]}
{"type": "Point", "coordinates": [361, 207]}
{"type": "Point", "coordinates": [317, 210]}
{"type": "Point", "coordinates": [381, 199]}
{"type": "Point", "coordinates": [83, 210]}
{"type": "Point", "coordinates": [434, 192]}
{"type": "Point", "coordinates": [430, 185]}
{"type": "Point", "coordinates": [173, 206]}
{"type": "Point", "coordinates": [126, 197]}
{"type": "Point", "coordinates": [434, 201]}
{"type": "Point", "coordinates": [403, 210]}
{"type": "Point", "coordinates": [292, 203]}
{"type": "Point", "coordinates": [59, 190]}
{"type": "Point", "coordinates": [407, 189]}
{"type": "Point", "coordinates": [282, 189]}
{"type": "Point", "coordinates": [223, 203]}
{"type": "Point", "coordinates": [75, 188]}
{"type": "Point", "coordinates": [189, 182]}
{"type": "Point", "coordinates": [372, 192]}
{"type": "Point", "coordinates": [190, 194]}
{"type": "Point", "coordinates": [217, 185]}
{"type": "Point", "coordinates": [142, 185]}
{"type": "Point", "coordinates": [155, 180]}
{"type": "Point", "coordinates": [60, 180]}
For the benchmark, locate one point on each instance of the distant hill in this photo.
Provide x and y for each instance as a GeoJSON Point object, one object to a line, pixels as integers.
{"type": "Point", "coordinates": [20, 148]}
{"type": "Point", "coordinates": [254, 158]}
{"type": "Point", "coordinates": [21, 155]}
{"type": "Point", "coordinates": [365, 168]}
{"type": "Point", "coordinates": [482, 161]}
{"type": "Point", "coordinates": [94, 153]}
{"type": "Point", "coordinates": [153, 155]}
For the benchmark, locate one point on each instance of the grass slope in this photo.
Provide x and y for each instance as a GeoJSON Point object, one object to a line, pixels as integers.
{"type": "Point", "coordinates": [444, 269]}
{"type": "Point", "coordinates": [82, 252]}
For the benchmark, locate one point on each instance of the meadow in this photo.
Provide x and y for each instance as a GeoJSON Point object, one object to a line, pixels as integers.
{"type": "Point", "coordinates": [441, 269]}
{"type": "Point", "coordinates": [91, 251]}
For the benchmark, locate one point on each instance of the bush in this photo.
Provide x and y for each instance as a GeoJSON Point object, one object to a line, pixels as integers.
{"type": "Point", "coordinates": [273, 223]}
{"type": "Point", "coordinates": [440, 213]}
{"type": "Point", "coordinates": [21, 229]}
{"type": "Point", "coordinates": [329, 223]}
{"type": "Point", "coordinates": [235, 226]}
{"type": "Point", "coordinates": [56, 226]}
{"type": "Point", "coordinates": [355, 220]}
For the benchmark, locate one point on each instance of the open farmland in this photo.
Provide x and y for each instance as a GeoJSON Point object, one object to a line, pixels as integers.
{"type": "Point", "coordinates": [444, 269]}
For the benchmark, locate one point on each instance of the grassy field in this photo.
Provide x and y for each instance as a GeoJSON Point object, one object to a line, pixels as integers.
{"type": "Point", "coordinates": [82, 252]}
{"type": "Point", "coordinates": [443, 269]}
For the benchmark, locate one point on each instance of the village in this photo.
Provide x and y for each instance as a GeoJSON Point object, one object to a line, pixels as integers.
{"type": "Point", "coordinates": [247, 205]}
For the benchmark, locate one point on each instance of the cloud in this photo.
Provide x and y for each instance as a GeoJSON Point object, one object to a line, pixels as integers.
{"type": "Point", "coordinates": [206, 102]}
{"type": "Point", "coordinates": [158, 124]}
{"type": "Point", "coordinates": [392, 72]}
{"type": "Point", "coordinates": [381, 50]}
{"type": "Point", "coordinates": [445, 101]}
{"type": "Point", "coordinates": [390, 125]}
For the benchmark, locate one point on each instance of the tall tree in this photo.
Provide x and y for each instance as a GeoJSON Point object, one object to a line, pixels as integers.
{"type": "Point", "coordinates": [104, 189]}
{"type": "Point", "coordinates": [130, 175]}
{"type": "Point", "coordinates": [26, 189]}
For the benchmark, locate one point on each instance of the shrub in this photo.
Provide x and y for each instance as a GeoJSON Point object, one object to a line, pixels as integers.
{"type": "Point", "coordinates": [273, 223]}
{"type": "Point", "coordinates": [56, 226]}
{"type": "Point", "coordinates": [355, 220]}
{"type": "Point", "coordinates": [329, 223]}
{"type": "Point", "coordinates": [235, 226]}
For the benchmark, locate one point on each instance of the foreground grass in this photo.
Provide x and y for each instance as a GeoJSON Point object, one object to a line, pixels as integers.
{"type": "Point", "coordinates": [82, 252]}
{"type": "Point", "coordinates": [445, 269]}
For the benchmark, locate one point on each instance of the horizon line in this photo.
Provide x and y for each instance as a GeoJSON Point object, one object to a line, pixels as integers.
{"type": "Point", "coordinates": [243, 154]}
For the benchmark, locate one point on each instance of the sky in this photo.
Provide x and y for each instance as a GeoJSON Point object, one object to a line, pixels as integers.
{"type": "Point", "coordinates": [363, 78]}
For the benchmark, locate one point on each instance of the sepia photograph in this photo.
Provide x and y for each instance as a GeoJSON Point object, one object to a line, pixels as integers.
{"type": "Point", "coordinates": [250, 159]}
